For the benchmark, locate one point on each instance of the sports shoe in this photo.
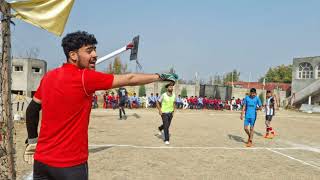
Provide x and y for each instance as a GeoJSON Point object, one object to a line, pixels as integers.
{"type": "Point", "coordinates": [249, 144]}
{"type": "Point", "coordinates": [167, 142]}
{"type": "Point", "coordinates": [273, 133]}
{"type": "Point", "coordinates": [266, 136]}
{"type": "Point", "coordinates": [271, 136]}
{"type": "Point", "coordinates": [125, 117]}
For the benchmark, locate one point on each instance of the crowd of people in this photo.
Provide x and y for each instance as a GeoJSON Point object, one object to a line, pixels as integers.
{"type": "Point", "coordinates": [111, 100]}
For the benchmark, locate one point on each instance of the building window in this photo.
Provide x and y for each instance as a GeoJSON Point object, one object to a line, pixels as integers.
{"type": "Point", "coordinates": [18, 68]}
{"type": "Point", "coordinates": [305, 71]}
{"type": "Point", "coordinates": [36, 70]}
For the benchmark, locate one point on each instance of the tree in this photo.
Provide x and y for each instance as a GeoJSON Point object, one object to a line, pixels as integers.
{"type": "Point", "coordinates": [163, 89]}
{"type": "Point", "coordinates": [211, 80]}
{"type": "Point", "coordinates": [233, 76]}
{"type": "Point", "coordinates": [217, 79]}
{"type": "Point", "coordinates": [32, 53]}
{"type": "Point", "coordinates": [142, 90]}
{"type": "Point", "coordinates": [280, 74]}
{"type": "Point", "coordinates": [117, 67]}
{"type": "Point", "coordinates": [171, 70]}
{"type": "Point", "coordinates": [182, 81]}
{"type": "Point", "coordinates": [184, 92]}
{"type": "Point", "coordinates": [261, 96]}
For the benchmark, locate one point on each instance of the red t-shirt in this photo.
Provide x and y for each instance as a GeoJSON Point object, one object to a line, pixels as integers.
{"type": "Point", "coordinates": [238, 101]}
{"type": "Point", "coordinates": [110, 98]}
{"type": "Point", "coordinates": [66, 95]}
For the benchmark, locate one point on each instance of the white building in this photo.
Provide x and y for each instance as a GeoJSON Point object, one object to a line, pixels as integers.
{"type": "Point", "coordinates": [27, 74]}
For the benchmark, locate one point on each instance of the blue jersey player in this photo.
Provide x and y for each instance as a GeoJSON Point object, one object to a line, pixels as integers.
{"type": "Point", "coordinates": [251, 104]}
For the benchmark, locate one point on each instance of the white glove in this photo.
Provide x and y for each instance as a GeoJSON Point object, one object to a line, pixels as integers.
{"type": "Point", "coordinates": [30, 150]}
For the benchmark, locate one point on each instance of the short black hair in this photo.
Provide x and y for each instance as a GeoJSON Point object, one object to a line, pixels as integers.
{"type": "Point", "coordinates": [253, 90]}
{"type": "Point", "coordinates": [169, 84]}
{"type": "Point", "coordinates": [268, 91]}
{"type": "Point", "coordinates": [76, 40]}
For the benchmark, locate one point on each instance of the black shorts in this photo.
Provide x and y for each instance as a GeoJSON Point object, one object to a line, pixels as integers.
{"type": "Point", "coordinates": [269, 117]}
{"type": "Point", "coordinates": [122, 102]}
{"type": "Point", "coordinates": [43, 172]}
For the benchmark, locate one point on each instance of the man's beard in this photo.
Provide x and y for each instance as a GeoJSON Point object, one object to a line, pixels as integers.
{"type": "Point", "coordinates": [81, 66]}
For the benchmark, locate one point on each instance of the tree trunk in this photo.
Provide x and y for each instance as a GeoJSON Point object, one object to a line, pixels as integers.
{"type": "Point", "coordinates": [7, 166]}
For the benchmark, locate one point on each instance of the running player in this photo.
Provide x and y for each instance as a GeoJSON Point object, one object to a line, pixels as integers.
{"type": "Point", "coordinates": [270, 111]}
{"type": "Point", "coordinates": [123, 95]}
{"type": "Point", "coordinates": [251, 104]}
{"type": "Point", "coordinates": [166, 110]}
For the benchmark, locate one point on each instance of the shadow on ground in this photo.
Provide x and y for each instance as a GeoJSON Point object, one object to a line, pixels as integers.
{"type": "Point", "coordinates": [258, 134]}
{"type": "Point", "coordinates": [98, 149]}
{"type": "Point", "coordinates": [236, 138]}
{"type": "Point", "coordinates": [137, 116]}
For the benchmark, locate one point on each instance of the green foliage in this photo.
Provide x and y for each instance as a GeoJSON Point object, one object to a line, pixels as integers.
{"type": "Point", "coordinates": [172, 70]}
{"type": "Point", "coordinates": [281, 74]}
{"type": "Point", "coordinates": [163, 89]}
{"type": "Point", "coordinates": [217, 79]}
{"type": "Point", "coordinates": [261, 96]}
{"type": "Point", "coordinates": [233, 76]}
{"type": "Point", "coordinates": [184, 92]}
{"type": "Point", "coordinates": [117, 67]}
{"type": "Point", "coordinates": [142, 90]}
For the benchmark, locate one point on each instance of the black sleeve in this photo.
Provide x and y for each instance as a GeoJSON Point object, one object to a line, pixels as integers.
{"type": "Point", "coordinates": [271, 102]}
{"type": "Point", "coordinates": [32, 119]}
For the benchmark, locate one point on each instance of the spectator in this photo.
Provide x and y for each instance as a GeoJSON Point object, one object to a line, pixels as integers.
{"type": "Point", "coordinates": [185, 102]}
{"type": "Point", "coordinates": [179, 103]}
{"type": "Point", "coordinates": [152, 100]}
{"type": "Point", "coordinates": [114, 100]}
{"type": "Point", "coordinates": [134, 101]}
{"type": "Point", "coordinates": [144, 101]}
{"type": "Point", "coordinates": [94, 101]}
{"type": "Point", "coordinates": [109, 100]}
{"type": "Point", "coordinates": [200, 102]}
{"type": "Point", "coordinates": [105, 99]}
{"type": "Point", "coordinates": [157, 97]}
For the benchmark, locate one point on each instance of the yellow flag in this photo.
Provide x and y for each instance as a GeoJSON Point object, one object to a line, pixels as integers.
{"type": "Point", "coordinates": [50, 15]}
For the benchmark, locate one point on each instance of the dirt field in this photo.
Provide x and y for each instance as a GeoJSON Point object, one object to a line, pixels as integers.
{"type": "Point", "coordinates": [204, 145]}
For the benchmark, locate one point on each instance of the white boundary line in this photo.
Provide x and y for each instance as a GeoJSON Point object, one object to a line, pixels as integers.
{"type": "Point", "coordinates": [30, 175]}
{"type": "Point", "coordinates": [262, 115]}
{"type": "Point", "coordinates": [295, 159]}
{"type": "Point", "coordinates": [274, 150]}
{"type": "Point", "coordinates": [197, 147]}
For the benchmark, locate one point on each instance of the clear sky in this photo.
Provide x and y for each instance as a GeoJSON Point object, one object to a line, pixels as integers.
{"type": "Point", "coordinates": [204, 36]}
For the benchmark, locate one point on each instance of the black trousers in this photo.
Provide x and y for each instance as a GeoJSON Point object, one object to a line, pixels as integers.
{"type": "Point", "coordinates": [44, 172]}
{"type": "Point", "coordinates": [166, 121]}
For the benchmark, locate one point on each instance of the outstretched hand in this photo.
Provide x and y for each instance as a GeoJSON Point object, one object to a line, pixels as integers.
{"type": "Point", "coordinates": [168, 77]}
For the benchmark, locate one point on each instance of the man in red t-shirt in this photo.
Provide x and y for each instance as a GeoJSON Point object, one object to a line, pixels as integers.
{"type": "Point", "coordinates": [61, 150]}
{"type": "Point", "coordinates": [94, 101]}
{"type": "Point", "coordinates": [110, 103]}
{"type": "Point", "coordinates": [105, 99]}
